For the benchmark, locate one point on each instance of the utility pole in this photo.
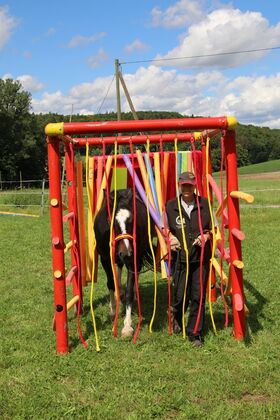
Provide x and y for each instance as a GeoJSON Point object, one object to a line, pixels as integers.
{"type": "Point", "coordinates": [129, 100]}
{"type": "Point", "coordinates": [117, 65]}
{"type": "Point", "coordinates": [117, 68]}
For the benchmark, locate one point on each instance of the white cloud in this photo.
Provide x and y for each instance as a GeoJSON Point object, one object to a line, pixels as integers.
{"type": "Point", "coordinates": [95, 60]}
{"type": "Point", "coordinates": [79, 40]}
{"type": "Point", "coordinates": [7, 24]}
{"type": "Point", "coordinates": [52, 102]}
{"type": "Point", "coordinates": [224, 30]}
{"type": "Point", "coordinates": [171, 91]}
{"type": "Point", "coordinates": [30, 83]}
{"type": "Point", "coordinates": [252, 100]}
{"type": "Point", "coordinates": [183, 13]}
{"type": "Point", "coordinates": [255, 99]}
{"type": "Point", "coordinates": [7, 76]}
{"type": "Point", "coordinates": [275, 123]}
{"type": "Point", "coordinates": [134, 46]}
{"type": "Point", "coordinates": [85, 98]}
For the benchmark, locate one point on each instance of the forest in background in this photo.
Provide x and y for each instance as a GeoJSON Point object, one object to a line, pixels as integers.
{"type": "Point", "coordinates": [23, 143]}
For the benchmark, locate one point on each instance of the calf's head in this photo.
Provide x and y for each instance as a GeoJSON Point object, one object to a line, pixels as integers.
{"type": "Point", "coordinates": [123, 233]}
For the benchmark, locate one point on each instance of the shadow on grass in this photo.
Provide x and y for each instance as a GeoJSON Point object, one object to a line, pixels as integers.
{"type": "Point", "coordinates": [219, 319]}
{"type": "Point", "coordinates": [253, 318]}
{"type": "Point", "coordinates": [255, 309]}
{"type": "Point", "coordinates": [104, 322]}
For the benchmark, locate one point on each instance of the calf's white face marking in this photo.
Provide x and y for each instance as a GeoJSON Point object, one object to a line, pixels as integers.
{"type": "Point", "coordinates": [121, 217]}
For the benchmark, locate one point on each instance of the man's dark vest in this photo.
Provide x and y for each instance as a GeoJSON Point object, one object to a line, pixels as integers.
{"type": "Point", "coordinates": [191, 226]}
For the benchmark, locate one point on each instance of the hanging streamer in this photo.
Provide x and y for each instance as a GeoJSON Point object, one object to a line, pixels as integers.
{"type": "Point", "coordinates": [135, 246]}
{"type": "Point", "coordinates": [112, 235]}
{"type": "Point", "coordinates": [223, 229]}
{"type": "Point", "coordinates": [147, 158]}
{"type": "Point", "coordinates": [199, 191]}
{"type": "Point", "coordinates": [213, 236]}
{"type": "Point", "coordinates": [97, 347]}
{"type": "Point", "coordinates": [75, 246]}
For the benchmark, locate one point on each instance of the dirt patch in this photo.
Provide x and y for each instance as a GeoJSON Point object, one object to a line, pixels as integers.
{"type": "Point", "coordinates": [257, 398]}
{"type": "Point", "coordinates": [262, 175]}
{"type": "Point", "coordinates": [198, 400]}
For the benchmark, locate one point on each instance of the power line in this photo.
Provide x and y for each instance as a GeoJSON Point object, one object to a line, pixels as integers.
{"type": "Point", "coordinates": [201, 56]}
{"type": "Point", "coordinates": [108, 90]}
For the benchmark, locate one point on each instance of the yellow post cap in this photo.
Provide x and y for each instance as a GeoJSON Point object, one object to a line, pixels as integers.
{"type": "Point", "coordinates": [232, 122]}
{"type": "Point", "coordinates": [57, 274]}
{"type": "Point", "coordinates": [54, 129]}
{"type": "Point", "coordinates": [238, 264]}
{"type": "Point", "coordinates": [54, 202]}
{"type": "Point", "coordinates": [197, 135]}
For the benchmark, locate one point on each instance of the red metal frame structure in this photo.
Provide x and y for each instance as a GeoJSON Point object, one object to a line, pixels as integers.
{"type": "Point", "coordinates": [58, 133]}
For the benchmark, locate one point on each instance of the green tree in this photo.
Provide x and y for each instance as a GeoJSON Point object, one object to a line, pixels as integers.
{"type": "Point", "coordinates": [242, 155]}
{"type": "Point", "coordinates": [19, 134]}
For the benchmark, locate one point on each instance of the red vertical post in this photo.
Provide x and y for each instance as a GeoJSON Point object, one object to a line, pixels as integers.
{"type": "Point", "coordinates": [73, 221]}
{"type": "Point", "coordinates": [60, 306]}
{"type": "Point", "coordinates": [234, 243]}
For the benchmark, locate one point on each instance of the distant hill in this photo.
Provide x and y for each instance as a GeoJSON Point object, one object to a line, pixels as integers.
{"type": "Point", "coordinates": [269, 166]}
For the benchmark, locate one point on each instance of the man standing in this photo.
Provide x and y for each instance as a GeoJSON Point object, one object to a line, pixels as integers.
{"type": "Point", "coordinates": [191, 227]}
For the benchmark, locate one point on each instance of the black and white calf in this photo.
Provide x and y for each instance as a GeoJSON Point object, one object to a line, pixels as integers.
{"type": "Point", "coordinates": [124, 252]}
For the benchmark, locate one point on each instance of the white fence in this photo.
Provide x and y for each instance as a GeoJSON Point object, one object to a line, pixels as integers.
{"type": "Point", "coordinates": [28, 195]}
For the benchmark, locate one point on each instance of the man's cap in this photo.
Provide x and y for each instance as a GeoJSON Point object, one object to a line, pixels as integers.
{"type": "Point", "coordinates": [187, 178]}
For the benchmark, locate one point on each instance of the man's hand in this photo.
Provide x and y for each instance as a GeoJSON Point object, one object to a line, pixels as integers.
{"type": "Point", "coordinates": [198, 240]}
{"type": "Point", "coordinates": [174, 243]}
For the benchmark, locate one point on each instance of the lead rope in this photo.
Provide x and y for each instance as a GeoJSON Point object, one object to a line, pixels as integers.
{"type": "Point", "coordinates": [93, 259]}
{"type": "Point", "coordinates": [183, 236]}
{"type": "Point", "coordinates": [135, 246]}
{"type": "Point", "coordinates": [223, 230]}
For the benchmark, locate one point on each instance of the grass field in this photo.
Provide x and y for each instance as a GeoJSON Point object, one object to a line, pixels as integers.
{"type": "Point", "coordinates": [161, 376]}
{"type": "Point", "coordinates": [269, 166]}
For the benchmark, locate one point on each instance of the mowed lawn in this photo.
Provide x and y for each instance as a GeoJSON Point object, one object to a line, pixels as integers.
{"type": "Point", "coordinates": [161, 376]}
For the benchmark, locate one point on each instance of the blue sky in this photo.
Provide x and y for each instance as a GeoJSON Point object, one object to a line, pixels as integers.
{"type": "Point", "coordinates": [63, 52]}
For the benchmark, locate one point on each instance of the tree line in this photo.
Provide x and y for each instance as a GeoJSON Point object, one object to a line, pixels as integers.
{"type": "Point", "coordinates": [23, 144]}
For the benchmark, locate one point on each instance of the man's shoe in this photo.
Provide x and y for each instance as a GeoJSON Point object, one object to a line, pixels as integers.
{"type": "Point", "coordinates": [196, 341]}
{"type": "Point", "coordinates": [176, 327]}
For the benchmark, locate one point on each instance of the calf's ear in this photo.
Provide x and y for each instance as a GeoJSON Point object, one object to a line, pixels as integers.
{"type": "Point", "coordinates": [111, 199]}
{"type": "Point", "coordinates": [130, 193]}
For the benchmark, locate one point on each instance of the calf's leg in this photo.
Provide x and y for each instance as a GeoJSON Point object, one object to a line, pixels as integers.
{"type": "Point", "coordinates": [106, 264]}
{"type": "Point", "coordinates": [127, 330]}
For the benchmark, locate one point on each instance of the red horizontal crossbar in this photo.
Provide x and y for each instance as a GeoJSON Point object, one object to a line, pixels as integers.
{"type": "Point", "coordinates": [177, 124]}
{"type": "Point", "coordinates": [142, 139]}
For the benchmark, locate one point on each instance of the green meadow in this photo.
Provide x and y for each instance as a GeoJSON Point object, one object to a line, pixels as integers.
{"type": "Point", "coordinates": [160, 376]}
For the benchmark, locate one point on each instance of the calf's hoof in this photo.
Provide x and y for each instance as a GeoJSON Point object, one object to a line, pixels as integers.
{"type": "Point", "coordinates": [112, 312]}
{"type": "Point", "coordinates": [127, 331]}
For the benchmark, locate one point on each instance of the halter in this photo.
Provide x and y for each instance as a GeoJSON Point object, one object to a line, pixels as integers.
{"type": "Point", "coordinates": [124, 236]}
